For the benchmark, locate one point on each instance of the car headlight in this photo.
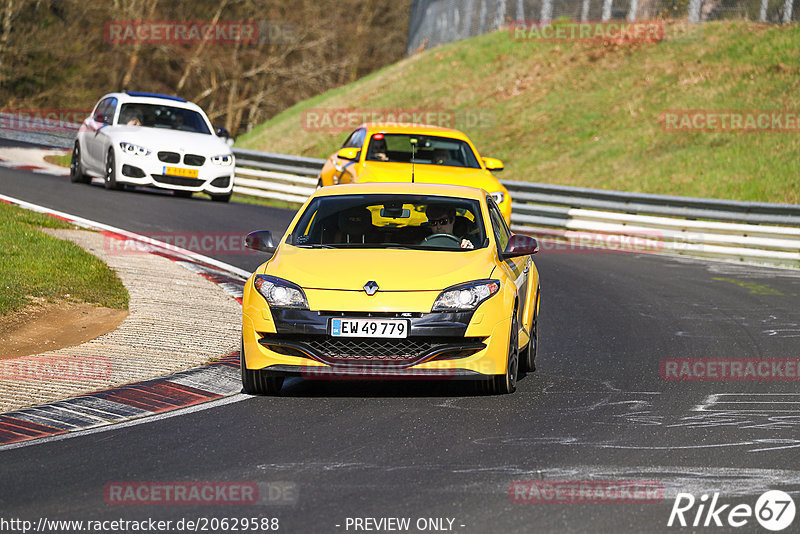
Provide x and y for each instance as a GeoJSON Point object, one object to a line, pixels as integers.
{"type": "Point", "coordinates": [136, 150]}
{"type": "Point", "coordinates": [226, 160]}
{"type": "Point", "coordinates": [498, 197]}
{"type": "Point", "coordinates": [280, 293]}
{"type": "Point", "coordinates": [466, 296]}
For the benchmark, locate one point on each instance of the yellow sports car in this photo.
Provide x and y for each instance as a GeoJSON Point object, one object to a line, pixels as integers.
{"type": "Point", "coordinates": [392, 280]}
{"type": "Point", "coordinates": [384, 152]}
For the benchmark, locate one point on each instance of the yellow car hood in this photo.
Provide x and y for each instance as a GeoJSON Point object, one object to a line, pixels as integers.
{"type": "Point", "coordinates": [429, 174]}
{"type": "Point", "coordinates": [393, 270]}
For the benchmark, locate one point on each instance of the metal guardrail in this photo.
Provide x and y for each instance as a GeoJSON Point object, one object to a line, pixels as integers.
{"type": "Point", "coordinates": [671, 206]}
{"type": "Point", "coordinates": [60, 135]}
{"type": "Point", "coordinates": [751, 231]}
{"type": "Point", "coordinates": [275, 176]}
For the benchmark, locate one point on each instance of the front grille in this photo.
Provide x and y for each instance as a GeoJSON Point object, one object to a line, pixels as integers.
{"type": "Point", "coordinates": [169, 157]}
{"type": "Point", "coordinates": [397, 352]}
{"type": "Point", "coordinates": [194, 159]}
{"type": "Point", "coordinates": [177, 180]}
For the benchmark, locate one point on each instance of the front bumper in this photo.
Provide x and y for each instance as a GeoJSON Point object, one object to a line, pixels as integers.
{"type": "Point", "coordinates": [149, 171]}
{"type": "Point", "coordinates": [432, 336]}
{"type": "Point", "coordinates": [439, 344]}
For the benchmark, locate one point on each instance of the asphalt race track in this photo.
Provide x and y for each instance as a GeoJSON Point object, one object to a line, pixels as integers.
{"type": "Point", "coordinates": [596, 409]}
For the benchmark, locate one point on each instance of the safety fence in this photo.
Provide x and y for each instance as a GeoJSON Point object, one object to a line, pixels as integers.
{"type": "Point", "coordinates": [435, 22]}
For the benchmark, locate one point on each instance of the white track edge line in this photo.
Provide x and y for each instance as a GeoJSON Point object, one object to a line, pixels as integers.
{"type": "Point", "coordinates": [142, 419]}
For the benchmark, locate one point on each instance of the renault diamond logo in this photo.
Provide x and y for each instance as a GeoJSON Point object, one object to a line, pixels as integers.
{"type": "Point", "coordinates": [370, 287]}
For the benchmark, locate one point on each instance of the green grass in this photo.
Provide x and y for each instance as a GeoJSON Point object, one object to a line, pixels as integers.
{"type": "Point", "coordinates": [64, 160]}
{"type": "Point", "coordinates": [587, 114]}
{"type": "Point", "coordinates": [34, 265]}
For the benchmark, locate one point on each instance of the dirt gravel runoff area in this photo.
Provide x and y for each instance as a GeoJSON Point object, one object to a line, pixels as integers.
{"type": "Point", "coordinates": [54, 325]}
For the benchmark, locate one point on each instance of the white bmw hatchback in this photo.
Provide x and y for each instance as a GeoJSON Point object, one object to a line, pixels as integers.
{"type": "Point", "coordinates": [147, 139]}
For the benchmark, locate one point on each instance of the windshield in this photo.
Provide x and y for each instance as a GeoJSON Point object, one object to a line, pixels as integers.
{"type": "Point", "coordinates": [429, 150]}
{"type": "Point", "coordinates": [162, 116]}
{"type": "Point", "coordinates": [391, 221]}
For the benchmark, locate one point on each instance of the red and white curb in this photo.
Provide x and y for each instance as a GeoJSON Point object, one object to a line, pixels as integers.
{"type": "Point", "coordinates": [184, 389]}
{"type": "Point", "coordinates": [33, 168]}
{"type": "Point", "coordinates": [133, 401]}
{"type": "Point", "coordinates": [32, 160]}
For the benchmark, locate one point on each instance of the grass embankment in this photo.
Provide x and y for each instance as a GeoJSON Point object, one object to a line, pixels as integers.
{"type": "Point", "coordinates": [587, 113]}
{"type": "Point", "coordinates": [35, 266]}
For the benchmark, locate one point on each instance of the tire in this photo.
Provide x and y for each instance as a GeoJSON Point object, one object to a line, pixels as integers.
{"type": "Point", "coordinates": [76, 174]}
{"type": "Point", "coordinates": [111, 172]}
{"type": "Point", "coordinates": [528, 361]}
{"type": "Point", "coordinates": [257, 381]}
{"type": "Point", "coordinates": [221, 198]}
{"type": "Point", "coordinates": [505, 383]}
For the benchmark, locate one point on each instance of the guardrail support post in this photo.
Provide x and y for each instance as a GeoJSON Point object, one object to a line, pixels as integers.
{"type": "Point", "coordinates": [606, 10]}
{"type": "Point", "coordinates": [787, 11]}
{"type": "Point", "coordinates": [694, 10]}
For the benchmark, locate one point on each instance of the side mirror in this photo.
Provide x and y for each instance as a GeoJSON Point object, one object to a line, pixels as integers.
{"type": "Point", "coordinates": [260, 240]}
{"type": "Point", "coordinates": [224, 133]}
{"type": "Point", "coordinates": [520, 245]}
{"type": "Point", "coordinates": [493, 164]}
{"type": "Point", "coordinates": [350, 153]}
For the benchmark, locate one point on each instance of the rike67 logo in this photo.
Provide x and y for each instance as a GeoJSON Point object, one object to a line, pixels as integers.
{"type": "Point", "coordinates": [774, 510]}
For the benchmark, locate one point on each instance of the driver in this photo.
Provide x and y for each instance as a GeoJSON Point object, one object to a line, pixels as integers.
{"type": "Point", "coordinates": [442, 219]}
{"type": "Point", "coordinates": [177, 122]}
{"type": "Point", "coordinates": [440, 156]}
{"type": "Point", "coordinates": [377, 150]}
{"type": "Point", "coordinates": [131, 117]}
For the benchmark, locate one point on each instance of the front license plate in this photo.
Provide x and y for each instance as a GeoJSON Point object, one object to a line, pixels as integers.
{"type": "Point", "coordinates": [177, 171]}
{"type": "Point", "coordinates": [395, 328]}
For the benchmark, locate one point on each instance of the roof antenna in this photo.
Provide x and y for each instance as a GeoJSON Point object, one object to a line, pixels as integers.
{"type": "Point", "coordinates": [413, 142]}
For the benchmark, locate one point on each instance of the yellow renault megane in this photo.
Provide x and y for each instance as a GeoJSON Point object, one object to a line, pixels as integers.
{"type": "Point", "coordinates": [384, 152]}
{"type": "Point", "coordinates": [392, 280]}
